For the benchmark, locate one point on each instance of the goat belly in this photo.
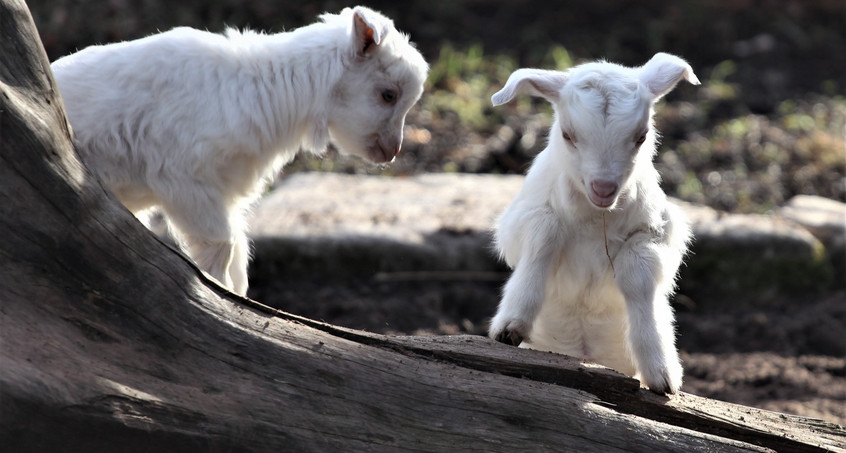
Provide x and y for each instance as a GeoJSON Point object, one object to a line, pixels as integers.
{"type": "Point", "coordinates": [583, 314]}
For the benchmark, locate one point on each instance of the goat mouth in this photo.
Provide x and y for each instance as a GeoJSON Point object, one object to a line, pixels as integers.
{"type": "Point", "coordinates": [602, 202]}
{"type": "Point", "coordinates": [381, 153]}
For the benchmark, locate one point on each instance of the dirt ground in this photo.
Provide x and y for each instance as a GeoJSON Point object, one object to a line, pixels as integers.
{"type": "Point", "coordinates": [787, 358]}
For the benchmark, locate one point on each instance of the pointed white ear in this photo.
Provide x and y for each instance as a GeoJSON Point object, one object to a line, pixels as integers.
{"type": "Point", "coordinates": [535, 82]}
{"type": "Point", "coordinates": [661, 74]}
{"type": "Point", "coordinates": [369, 29]}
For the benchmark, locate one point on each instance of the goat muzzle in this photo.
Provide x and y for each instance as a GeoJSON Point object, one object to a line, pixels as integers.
{"type": "Point", "coordinates": [603, 193]}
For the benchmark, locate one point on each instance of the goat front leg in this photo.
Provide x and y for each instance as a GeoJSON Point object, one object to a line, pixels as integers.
{"type": "Point", "coordinates": [204, 224]}
{"type": "Point", "coordinates": [240, 263]}
{"type": "Point", "coordinates": [212, 256]}
{"type": "Point", "coordinates": [641, 277]}
{"type": "Point", "coordinates": [524, 293]}
{"type": "Point", "coordinates": [521, 301]}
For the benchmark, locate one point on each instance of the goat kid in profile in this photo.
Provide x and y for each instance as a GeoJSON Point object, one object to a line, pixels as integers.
{"type": "Point", "coordinates": [592, 239]}
{"type": "Point", "coordinates": [196, 124]}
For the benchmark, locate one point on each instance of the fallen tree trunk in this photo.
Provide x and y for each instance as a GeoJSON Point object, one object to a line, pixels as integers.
{"type": "Point", "coordinates": [111, 341]}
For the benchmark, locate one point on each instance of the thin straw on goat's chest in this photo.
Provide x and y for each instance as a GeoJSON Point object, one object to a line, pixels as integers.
{"type": "Point", "coordinates": [605, 237]}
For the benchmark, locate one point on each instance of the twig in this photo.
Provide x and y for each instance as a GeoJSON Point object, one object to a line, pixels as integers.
{"type": "Point", "coordinates": [605, 236]}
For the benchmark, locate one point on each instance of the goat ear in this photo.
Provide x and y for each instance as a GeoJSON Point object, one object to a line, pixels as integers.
{"type": "Point", "coordinates": [535, 82]}
{"type": "Point", "coordinates": [369, 28]}
{"type": "Point", "coordinates": [661, 74]}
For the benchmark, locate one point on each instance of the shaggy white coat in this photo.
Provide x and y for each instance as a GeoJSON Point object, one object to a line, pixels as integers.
{"type": "Point", "coordinates": [595, 182]}
{"type": "Point", "coordinates": [196, 123]}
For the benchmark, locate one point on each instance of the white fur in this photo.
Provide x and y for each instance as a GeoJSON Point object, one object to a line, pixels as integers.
{"type": "Point", "coordinates": [564, 295]}
{"type": "Point", "coordinates": [197, 123]}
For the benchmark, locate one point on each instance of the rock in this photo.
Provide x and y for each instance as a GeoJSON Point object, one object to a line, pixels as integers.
{"type": "Point", "coordinates": [363, 225]}
{"type": "Point", "coordinates": [343, 225]}
{"type": "Point", "coordinates": [756, 258]}
{"type": "Point", "coordinates": [826, 220]}
{"type": "Point", "coordinates": [405, 209]}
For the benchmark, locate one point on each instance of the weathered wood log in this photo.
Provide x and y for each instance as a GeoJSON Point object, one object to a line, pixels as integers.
{"type": "Point", "coordinates": [111, 341]}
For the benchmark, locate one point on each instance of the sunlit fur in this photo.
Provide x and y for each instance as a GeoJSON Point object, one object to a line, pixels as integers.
{"type": "Point", "coordinates": [564, 295]}
{"type": "Point", "coordinates": [196, 123]}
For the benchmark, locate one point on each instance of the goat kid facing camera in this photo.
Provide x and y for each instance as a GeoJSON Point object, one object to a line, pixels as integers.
{"type": "Point", "coordinates": [196, 123]}
{"type": "Point", "coordinates": [593, 242]}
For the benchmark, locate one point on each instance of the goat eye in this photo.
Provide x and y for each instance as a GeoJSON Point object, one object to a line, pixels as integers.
{"type": "Point", "coordinates": [566, 136]}
{"type": "Point", "coordinates": [640, 140]}
{"type": "Point", "coordinates": [389, 96]}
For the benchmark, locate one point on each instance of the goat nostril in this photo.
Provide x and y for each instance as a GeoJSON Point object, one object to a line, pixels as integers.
{"type": "Point", "coordinates": [604, 189]}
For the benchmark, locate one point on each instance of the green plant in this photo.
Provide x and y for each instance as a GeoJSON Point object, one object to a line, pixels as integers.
{"type": "Point", "coordinates": [463, 81]}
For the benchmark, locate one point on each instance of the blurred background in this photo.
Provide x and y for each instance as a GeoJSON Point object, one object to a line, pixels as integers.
{"type": "Point", "coordinates": [767, 123]}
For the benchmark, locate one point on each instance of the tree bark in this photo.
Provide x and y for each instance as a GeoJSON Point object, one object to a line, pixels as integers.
{"type": "Point", "coordinates": [112, 341]}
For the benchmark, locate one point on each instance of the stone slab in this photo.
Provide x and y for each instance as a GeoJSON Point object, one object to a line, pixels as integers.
{"type": "Point", "coordinates": [367, 225]}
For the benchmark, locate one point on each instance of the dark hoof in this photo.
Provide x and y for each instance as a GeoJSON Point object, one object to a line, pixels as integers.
{"type": "Point", "coordinates": [511, 337]}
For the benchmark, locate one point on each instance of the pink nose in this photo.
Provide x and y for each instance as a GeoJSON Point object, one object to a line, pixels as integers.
{"type": "Point", "coordinates": [604, 189]}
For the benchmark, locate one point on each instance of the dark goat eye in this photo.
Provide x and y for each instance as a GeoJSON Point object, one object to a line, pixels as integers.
{"type": "Point", "coordinates": [389, 96]}
{"type": "Point", "coordinates": [566, 136]}
{"type": "Point", "coordinates": [640, 140]}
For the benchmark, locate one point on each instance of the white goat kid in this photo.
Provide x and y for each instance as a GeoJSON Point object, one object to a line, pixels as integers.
{"type": "Point", "coordinates": [197, 123]}
{"type": "Point", "coordinates": [593, 241]}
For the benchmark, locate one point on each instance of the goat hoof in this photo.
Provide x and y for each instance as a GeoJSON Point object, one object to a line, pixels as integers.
{"type": "Point", "coordinates": [664, 385]}
{"type": "Point", "coordinates": [511, 337]}
{"type": "Point", "coordinates": [664, 390]}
